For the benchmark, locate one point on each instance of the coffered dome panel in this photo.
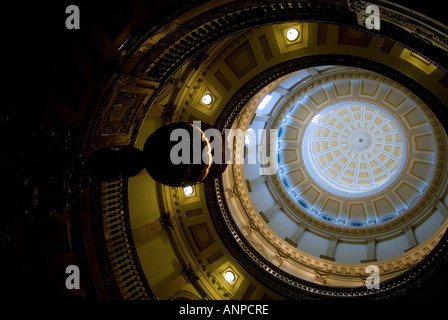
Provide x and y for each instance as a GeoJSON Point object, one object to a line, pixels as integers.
{"type": "Point", "coordinates": [357, 156]}
{"type": "Point", "coordinates": [353, 148]}
{"type": "Point", "coordinates": [351, 133]}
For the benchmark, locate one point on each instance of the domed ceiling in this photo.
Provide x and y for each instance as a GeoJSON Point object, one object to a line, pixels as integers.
{"type": "Point", "coordinates": [341, 163]}
{"type": "Point", "coordinates": [352, 141]}
{"type": "Point", "coordinates": [356, 154]}
{"type": "Point", "coordinates": [338, 168]}
{"type": "Point", "coordinates": [343, 145]}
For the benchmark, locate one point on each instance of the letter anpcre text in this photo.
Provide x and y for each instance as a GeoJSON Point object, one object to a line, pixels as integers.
{"type": "Point", "coordinates": [246, 309]}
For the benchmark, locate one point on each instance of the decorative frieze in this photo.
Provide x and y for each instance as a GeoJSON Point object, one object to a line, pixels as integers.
{"type": "Point", "coordinates": [122, 111]}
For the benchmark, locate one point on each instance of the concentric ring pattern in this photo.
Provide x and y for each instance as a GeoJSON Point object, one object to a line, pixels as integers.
{"type": "Point", "coordinates": [354, 148]}
{"type": "Point", "coordinates": [359, 158]}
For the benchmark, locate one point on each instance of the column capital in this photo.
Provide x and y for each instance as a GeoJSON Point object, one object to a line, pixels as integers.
{"type": "Point", "coordinates": [165, 221]}
{"type": "Point", "coordinates": [248, 229]}
{"type": "Point", "coordinates": [320, 277]}
{"type": "Point", "coordinates": [189, 273]}
{"type": "Point", "coordinates": [436, 201]}
{"type": "Point", "coordinates": [334, 238]}
{"type": "Point", "coordinates": [277, 259]}
{"type": "Point", "coordinates": [230, 193]}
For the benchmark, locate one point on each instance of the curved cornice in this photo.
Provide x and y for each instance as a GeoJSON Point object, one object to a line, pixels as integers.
{"type": "Point", "coordinates": [165, 49]}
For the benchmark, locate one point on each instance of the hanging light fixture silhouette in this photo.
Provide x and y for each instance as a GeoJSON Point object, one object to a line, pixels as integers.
{"type": "Point", "coordinates": [202, 161]}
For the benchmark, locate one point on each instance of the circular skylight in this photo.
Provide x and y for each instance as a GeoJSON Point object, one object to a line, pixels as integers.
{"type": "Point", "coordinates": [354, 148]}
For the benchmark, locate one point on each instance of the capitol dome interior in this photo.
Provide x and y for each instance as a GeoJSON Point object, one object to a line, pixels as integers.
{"type": "Point", "coordinates": [341, 166]}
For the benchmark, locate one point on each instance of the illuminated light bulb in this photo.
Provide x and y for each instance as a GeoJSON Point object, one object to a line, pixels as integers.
{"type": "Point", "coordinates": [207, 99]}
{"type": "Point", "coordinates": [229, 276]}
{"type": "Point", "coordinates": [188, 190]}
{"type": "Point", "coordinates": [292, 34]}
